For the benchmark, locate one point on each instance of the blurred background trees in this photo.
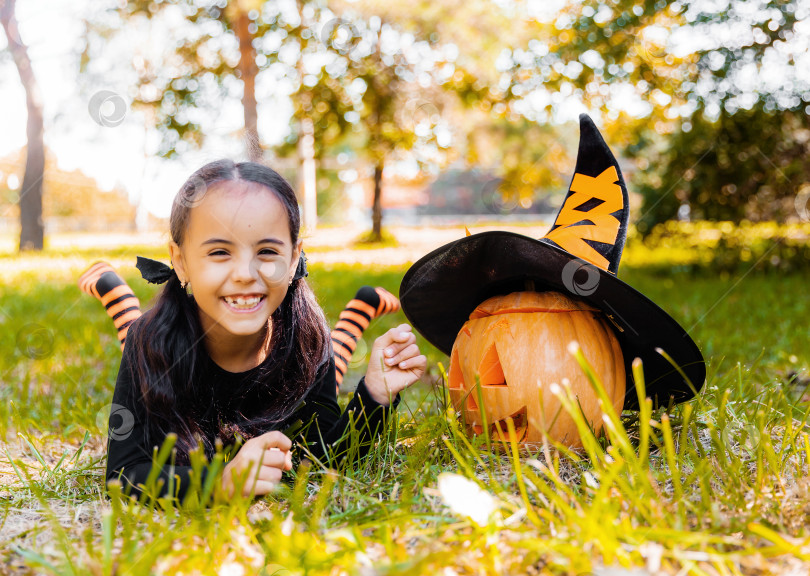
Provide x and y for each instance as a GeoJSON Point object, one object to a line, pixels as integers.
{"type": "Point", "coordinates": [75, 201]}
{"type": "Point", "coordinates": [706, 102]}
{"type": "Point", "coordinates": [724, 88]}
{"type": "Point", "coordinates": [29, 198]}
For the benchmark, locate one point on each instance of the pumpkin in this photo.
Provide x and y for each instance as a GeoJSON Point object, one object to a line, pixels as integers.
{"type": "Point", "coordinates": [517, 346]}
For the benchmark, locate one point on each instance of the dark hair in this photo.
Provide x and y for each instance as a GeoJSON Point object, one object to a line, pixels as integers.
{"type": "Point", "coordinates": [166, 343]}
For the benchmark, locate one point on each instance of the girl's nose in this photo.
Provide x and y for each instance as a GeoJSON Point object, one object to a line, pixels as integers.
{"type": "Point", "coordinates": [244, 270]}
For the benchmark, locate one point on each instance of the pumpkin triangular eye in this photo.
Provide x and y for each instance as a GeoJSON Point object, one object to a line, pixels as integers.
{"type": "Point", "coordinates": [490, 370]}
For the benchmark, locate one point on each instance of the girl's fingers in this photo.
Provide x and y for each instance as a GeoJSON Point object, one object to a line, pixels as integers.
{"type": "Point", "coordinates": [399, 334]}
{"type": "Point", "coordinates": [263, 473]}
{"type": "Point", "coordinates": [408, 352]}
{"type": "Point", "coordinates": [270, 474]}
{"type": "Point", "coordinates": [262, 487]}
{"type": "Point", "coordinates": [404, 334]}
{"type": "Point", "coordinates": [401, 328]}
{"type": "Point", "coordinates": [396, 348]}
{"type": "Point", "coordinates": [275, 439]}
{"type": "Point", "coordinates": [275, 457]}
{"type": "Point", "coordinates": [414, 362]}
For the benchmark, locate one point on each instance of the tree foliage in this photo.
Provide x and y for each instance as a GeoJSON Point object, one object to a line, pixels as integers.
{"type": "Point", "coordinates": [214, 56]}
{"type": "Point", "coordinates": [707, 97]}
{"type": "Point", "coordinates": [719, 116]}
{"type": "Point", "coordinates": [530, 160]}
{"type": "Point", "coordinates": [747, 165]}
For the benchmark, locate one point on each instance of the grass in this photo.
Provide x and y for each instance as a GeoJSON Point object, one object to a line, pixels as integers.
{"type": "Point", "coordinates": [716, 486]}
{"type": "Point", "coordinates": [368, 241]}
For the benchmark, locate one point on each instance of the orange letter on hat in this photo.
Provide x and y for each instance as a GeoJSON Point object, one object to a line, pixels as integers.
{"type": "Point", "coordinates": [605, 226]}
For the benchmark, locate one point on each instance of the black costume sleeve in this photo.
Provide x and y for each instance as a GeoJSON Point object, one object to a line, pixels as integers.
{"type": "Point", "coordinates": [332, 437]}
{"type": "Point", "coordinates": [129, 449]}
{"type": "Point", "coordinates": [329, 436]}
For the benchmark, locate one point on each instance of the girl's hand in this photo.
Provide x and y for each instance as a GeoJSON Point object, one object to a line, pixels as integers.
{"type": "Point", "coordinates": [269, 454]}
{"type": "Point", "coordinates": [395, 364]}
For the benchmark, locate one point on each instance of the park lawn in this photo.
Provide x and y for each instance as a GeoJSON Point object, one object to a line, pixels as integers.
{"type": "Point", "coordinates": [718, 485]}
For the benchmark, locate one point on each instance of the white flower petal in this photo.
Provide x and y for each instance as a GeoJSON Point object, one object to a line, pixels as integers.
{"type": "Point", "coordinates": [466, 498]}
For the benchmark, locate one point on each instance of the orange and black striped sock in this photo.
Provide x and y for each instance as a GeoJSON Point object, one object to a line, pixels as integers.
{"type": "Point", "coordinates": [367, 304]}
{"type": "Point", "coordinates": [102, 283]}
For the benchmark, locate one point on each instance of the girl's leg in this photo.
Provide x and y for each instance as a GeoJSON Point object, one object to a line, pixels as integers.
{"type": "Point", "coordinates": [367, 304]}
{"type": "Point", "coordinates": [102, 283]}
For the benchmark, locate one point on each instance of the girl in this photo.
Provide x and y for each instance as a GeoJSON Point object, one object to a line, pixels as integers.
{"type": "Point", "coordinates": [236, 346]}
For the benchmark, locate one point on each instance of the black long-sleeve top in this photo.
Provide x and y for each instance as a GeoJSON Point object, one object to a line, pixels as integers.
{"type": "Point", "coordinates": [130, 447]}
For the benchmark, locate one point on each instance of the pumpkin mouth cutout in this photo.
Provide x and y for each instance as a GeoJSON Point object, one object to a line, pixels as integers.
{"type": "Point", "coordinates": [500, 429]}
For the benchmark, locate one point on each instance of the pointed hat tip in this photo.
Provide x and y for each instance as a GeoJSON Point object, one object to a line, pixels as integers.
{"type": "Point", "coordinates": [586, 123]}
{"type": "Point", "coordinates": [596, 176]}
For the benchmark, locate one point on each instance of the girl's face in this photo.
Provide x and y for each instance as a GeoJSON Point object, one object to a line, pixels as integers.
{"type": "Point", "coordinates": [238, 256]}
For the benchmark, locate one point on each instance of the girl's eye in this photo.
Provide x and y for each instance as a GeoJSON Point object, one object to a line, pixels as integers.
{"type": "Point", "coordinates": [218, 253]}
{"type": "Point", "coordinates": [268, 252]}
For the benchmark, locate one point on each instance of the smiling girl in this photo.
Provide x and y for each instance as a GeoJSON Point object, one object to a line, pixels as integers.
{"type": "Point", "coordinates": [236, 348]}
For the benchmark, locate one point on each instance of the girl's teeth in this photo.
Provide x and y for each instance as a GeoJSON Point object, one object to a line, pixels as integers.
{"type": "Point", "coordinates": [242, 302]}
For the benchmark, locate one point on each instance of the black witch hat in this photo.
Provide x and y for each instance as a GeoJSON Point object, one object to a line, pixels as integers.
{"type": "Point", "coordinates": [578, 256]}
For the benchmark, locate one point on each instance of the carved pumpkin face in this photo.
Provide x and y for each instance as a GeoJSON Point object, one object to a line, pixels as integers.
{"type": "Point", "coordinates": [517, 345]}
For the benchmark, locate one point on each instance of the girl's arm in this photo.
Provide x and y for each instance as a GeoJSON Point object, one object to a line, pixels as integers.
{"type": "Point", "coordinates": [129, 450]}
{"type": "Point", "coordinates": [395, 363]}
{"type": "Point", "coordinates": [330, 435]}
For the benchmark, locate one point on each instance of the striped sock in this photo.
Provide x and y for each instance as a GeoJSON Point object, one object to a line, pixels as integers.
{"type": "Point", "coordinates": [367, 304]}
{"type": "Point", "coordinates": [388, 302]}
{"type": "Point", "coordinates": [102, 283]}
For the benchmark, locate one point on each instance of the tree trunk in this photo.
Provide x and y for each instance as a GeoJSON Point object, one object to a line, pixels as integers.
{"type": "Point", "coordinates": [307, 175]}
{"type": "Point", "coordinates": [32, 230]}
{"type": "Point", "coordinates": [247, 72]}
{"type": "Point", "coordinates": [307, 168]}
{"type": "Point", "coordinates": [376, 207]}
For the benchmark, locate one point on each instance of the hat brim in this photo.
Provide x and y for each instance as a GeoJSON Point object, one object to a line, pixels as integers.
{"type": "Point", "coordinates": [439, 292]}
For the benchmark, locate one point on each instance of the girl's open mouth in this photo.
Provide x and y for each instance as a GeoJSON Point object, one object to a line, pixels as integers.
{"type": "Point", "coordinates": [244, 305]}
